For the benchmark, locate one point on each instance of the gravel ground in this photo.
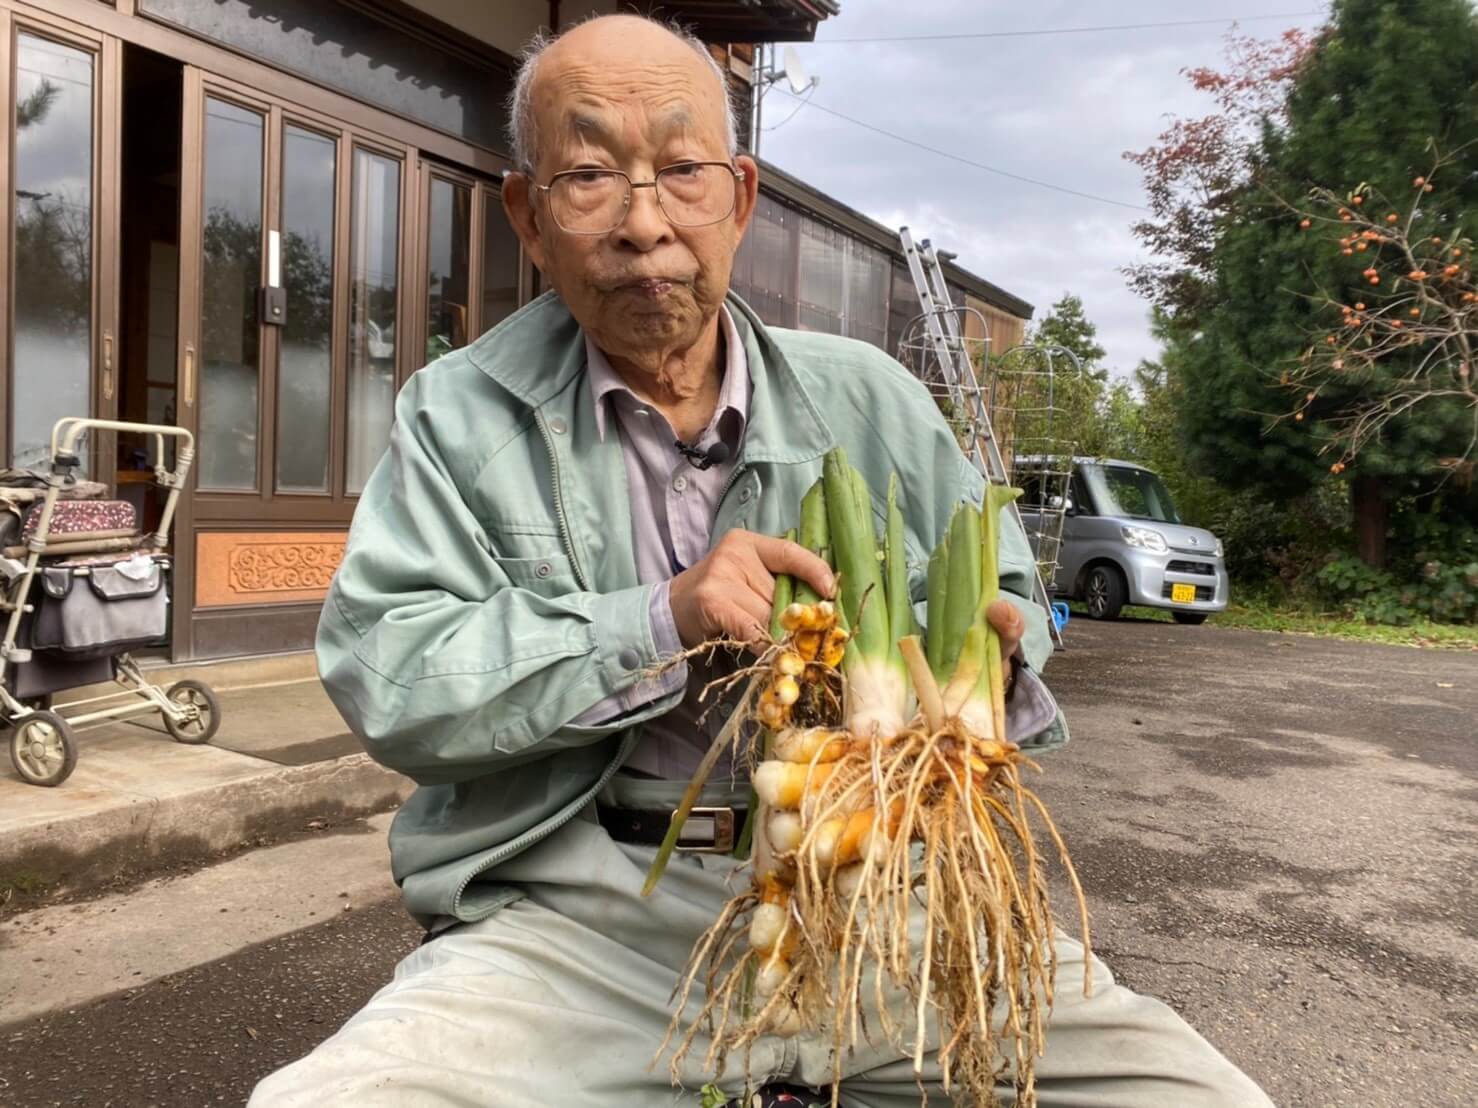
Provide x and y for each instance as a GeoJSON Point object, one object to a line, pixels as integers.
{"type": "Point", "coordinates": [1276, 834]}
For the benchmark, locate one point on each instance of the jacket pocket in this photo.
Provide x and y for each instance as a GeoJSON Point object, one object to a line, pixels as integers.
{"type": "Point", "coordinates": [549, 575]}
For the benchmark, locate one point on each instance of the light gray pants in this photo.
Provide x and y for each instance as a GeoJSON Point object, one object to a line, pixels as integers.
{"type": "Point", "coordinates": [562, 999]}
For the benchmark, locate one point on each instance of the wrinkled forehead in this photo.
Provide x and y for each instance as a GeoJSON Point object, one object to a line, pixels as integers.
{"type": "Point", "coordinates": [630, 107]}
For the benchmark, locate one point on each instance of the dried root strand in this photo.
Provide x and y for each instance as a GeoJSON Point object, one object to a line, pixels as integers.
{"type": "Point", "coordinates": [955, 859]}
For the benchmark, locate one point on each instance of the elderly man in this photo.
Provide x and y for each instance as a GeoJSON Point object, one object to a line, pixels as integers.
{"type": "Point", "coordinates": [575, 497]}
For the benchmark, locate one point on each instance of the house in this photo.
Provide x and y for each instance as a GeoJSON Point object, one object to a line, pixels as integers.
{"type": "Point", "coordinates": [257, 218]}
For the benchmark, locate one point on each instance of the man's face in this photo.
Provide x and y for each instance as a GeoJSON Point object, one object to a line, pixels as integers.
{"type": "Point", "coordinates": [621, 94]}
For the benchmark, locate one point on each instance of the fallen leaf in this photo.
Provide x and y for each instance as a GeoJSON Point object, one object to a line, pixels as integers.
{"type": "Point", "coordinates": [252, 1031]}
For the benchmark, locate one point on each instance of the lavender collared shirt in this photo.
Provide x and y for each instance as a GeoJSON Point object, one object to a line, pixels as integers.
{"type": "Point", "coordinates": [673, 505]}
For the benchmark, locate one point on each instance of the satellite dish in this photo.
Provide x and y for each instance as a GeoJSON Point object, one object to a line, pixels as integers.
{"type": "Point", "coordinates": [796, 74]}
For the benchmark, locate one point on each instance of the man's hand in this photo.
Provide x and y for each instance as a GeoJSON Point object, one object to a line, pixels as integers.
{"type": "Point", "coordinates": [1009, 623]}
{"type": "Point", "coordinates": [730, 592]}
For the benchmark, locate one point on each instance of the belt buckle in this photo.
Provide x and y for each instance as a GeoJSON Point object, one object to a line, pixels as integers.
{"type": "Point", "coordinates": [719, 838]}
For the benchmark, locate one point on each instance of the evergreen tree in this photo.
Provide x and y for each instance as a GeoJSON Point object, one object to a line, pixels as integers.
{"type": "Point", "coordinates": [1386, 80]}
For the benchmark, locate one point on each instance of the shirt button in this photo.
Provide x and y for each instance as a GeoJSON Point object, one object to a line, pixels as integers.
{"type": "Point", "coordinates": [543, 569]}
{"type": "Point", "coordinates": [744, 494]}
{"type": "Point", "coordinates": [629, 659]}
{"type": "Point", "coordinates": [558, 425]}
{"type": "Point", "coordinates": [679, 483]}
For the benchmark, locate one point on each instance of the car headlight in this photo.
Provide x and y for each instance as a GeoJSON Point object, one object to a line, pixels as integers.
{"type": "Point", "coordinates": [1220, 550]}
{"type": "Point", "coordinates": [1146, 538]}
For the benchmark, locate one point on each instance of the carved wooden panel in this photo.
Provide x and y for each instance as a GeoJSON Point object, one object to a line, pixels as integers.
{"type": "Point", "coordinates": [265, 567]}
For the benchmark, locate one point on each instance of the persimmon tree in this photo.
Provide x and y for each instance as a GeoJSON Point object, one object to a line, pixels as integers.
{"type": "Point", "coordinates": [1361, 101]}
{"type": "Point", "coordinates": [1197, 170]}
{"type": "Point", "coordinates": [1406, 342]}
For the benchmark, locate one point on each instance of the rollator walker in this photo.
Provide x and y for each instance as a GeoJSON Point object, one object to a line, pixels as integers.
{"type": "Point", "coordinates": [84, 586]}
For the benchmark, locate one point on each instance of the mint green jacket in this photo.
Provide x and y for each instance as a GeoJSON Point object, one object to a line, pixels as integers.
{"type": "Point", "coordinates": [488, 594]}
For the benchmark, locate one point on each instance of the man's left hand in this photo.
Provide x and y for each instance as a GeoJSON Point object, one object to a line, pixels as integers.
{"type": "Point", "coordinates": [1009, 623]}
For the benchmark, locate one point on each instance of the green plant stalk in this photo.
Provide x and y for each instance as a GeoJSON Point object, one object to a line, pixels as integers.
{"type": "Point", "coordinates": [877, 692]}
{"type": "Point", "coordinates": [962, 591]}
{"type": "Point", "coordinates": [901, 622]}
{"type": "Point", "coordinates": [694, 790]}
{"type": "Point", "coordinates": [992, 680]}
{"type": "Point", "coordinates": [813, 534]}
{"type": "Point", "coordinates": [785, 588]}
{"type": "Point", "coordinates": [854, 545]}
{"type": "Point", "coordinates": [938, 593]}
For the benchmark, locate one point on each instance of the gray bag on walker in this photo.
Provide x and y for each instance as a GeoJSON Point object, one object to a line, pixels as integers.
{"type": "Point", "coordinates": [102, 609]}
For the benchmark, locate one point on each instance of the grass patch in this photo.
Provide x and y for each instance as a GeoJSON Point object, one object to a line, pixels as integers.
{"type": "Point", "coordinates": [1296, 621]}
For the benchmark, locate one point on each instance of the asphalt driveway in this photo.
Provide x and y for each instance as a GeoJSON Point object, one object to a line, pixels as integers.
{"type": "Point", "coordinates": [1277, 834]}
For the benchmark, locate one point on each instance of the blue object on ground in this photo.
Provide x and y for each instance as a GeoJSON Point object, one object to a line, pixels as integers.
{"type": "Point", "coordinates": [1060, 613]}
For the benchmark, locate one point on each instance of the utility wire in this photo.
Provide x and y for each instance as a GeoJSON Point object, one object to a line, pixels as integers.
{"type": "Point", "coordinates": [963, 161]}
{"type": "Point", "coordinates": [1068, 30]}
{"type": "Point", "coordinates": [804, 100]}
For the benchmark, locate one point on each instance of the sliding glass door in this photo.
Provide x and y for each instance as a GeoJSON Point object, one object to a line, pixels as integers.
{"type": "Point", "coordinates": [57, 323]}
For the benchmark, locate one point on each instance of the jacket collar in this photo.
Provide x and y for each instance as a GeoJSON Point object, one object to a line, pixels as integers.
{"type": "Point", "coordinates": [539, 352]}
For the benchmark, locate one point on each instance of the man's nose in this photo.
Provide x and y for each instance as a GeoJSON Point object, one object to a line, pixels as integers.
{"type": "Point", "coordinates": [645, 226]}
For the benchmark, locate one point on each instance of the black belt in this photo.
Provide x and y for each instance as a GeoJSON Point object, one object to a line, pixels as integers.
{"type": "Point", "coordinates": [706, 830]}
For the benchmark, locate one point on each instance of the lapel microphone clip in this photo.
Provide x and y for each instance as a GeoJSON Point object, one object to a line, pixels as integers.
{"type": "Point", "coordinates": [700, 458]}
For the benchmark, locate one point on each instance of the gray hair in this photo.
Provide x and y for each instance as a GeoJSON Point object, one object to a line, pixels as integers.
{"type": "Point", "coordinates": [522, 135]}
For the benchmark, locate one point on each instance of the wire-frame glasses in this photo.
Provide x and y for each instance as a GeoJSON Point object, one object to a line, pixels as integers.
{"type": "Point", "coordinates": [595, 201]}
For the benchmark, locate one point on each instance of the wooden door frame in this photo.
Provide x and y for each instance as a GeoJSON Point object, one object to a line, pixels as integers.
{"type": "Point", "coordinates": [206, 65]}
{"type": "Point", "coordinates": [106, 172]}
{"type": "Point", "coordinates": [264, 508]}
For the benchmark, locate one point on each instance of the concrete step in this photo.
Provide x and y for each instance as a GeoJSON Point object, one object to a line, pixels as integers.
{"type": "Point", "coordinates": [138, 800]}
{"type": "Point", "coordinates": [252, 672]}
{"type": "Point", "coordinates": [61, 956]}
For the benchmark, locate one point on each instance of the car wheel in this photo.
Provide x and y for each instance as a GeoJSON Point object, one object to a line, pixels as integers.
{"type": "Point", "coordinates": [1193, 618]}
{"type": "Point", "coordinates": [1104, 592]}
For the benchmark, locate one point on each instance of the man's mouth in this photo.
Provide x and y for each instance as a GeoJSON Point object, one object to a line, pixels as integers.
{"type": "Point", "coordinates": [652, 287]}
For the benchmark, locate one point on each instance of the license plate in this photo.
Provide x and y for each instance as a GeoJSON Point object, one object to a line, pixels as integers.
{"type": "Point", "coordinates": [1182, 594]}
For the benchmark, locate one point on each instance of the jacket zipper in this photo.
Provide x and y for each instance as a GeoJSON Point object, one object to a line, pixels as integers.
{"type": "Point", "coordinates": [544, 830]}
{"type": "Point", "coordinates": [739, 470]}
{"type": "Point", "coordinates": [559, 505]}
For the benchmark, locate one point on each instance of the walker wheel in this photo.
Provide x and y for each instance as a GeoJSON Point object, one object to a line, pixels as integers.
{"type": "Point", "coordinates": [42, 748]}
{"type": "Point", "coordinates": [200, 716]}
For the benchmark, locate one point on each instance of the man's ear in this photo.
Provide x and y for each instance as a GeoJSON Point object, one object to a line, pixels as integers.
{"type": "Point", "coordinates": [519, 199]}
{"type": "Point", "coordinates": [748, 192]}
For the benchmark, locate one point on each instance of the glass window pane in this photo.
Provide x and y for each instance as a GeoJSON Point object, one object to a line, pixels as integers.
{"type": "Point", "coordinates": [499, 265]}
{"type": "Point", "coordinates": [449, 243]}
{"type": "Point", "coordinates": [230, 274]}
{"type": "Point", "coordinates": [765, 267]}
{"type": "Point", "coordinates": [365, 54]}
{"type": "Point", "coordinates": [53, 243]}
{"type": "Point", "coordinates": [305, 369]}
{"type": "Point", "coordinates": [866, 314]}
{"type": "Point", "coordinates": [822, 266]}
{"type": "Point", "coordinates": [373, 279]}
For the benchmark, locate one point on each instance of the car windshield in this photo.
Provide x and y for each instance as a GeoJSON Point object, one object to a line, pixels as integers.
{"type": "Point", "coordinates": [1126, 491]}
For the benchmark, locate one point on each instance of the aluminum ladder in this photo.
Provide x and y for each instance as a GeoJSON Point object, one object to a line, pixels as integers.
{"type": "Point", "coordinates": [942, 324]}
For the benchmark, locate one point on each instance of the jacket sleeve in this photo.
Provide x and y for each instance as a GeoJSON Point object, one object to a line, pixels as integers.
{"type": "Point", "coordinates": [443, 666]}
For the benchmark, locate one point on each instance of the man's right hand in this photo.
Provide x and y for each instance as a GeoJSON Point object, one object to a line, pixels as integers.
{"type": "Point", "coordinates": [730, 592]}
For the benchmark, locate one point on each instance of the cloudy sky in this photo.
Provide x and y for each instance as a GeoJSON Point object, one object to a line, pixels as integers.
{"type": "Point", "coordinates": [1059, 108]}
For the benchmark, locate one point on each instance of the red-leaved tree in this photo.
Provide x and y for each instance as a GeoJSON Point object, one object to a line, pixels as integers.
{"type": "Point", "coordinates": [1197, 168]}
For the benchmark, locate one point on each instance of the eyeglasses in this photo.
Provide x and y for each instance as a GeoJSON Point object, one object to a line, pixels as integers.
{"type": "Point", "coordinates": [595, 201]}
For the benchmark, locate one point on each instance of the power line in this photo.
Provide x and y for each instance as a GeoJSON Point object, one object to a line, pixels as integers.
{"type": "Point", "coordinates": [1068, 30]}
{"type": "Point", "coordinates": [964, 161]}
